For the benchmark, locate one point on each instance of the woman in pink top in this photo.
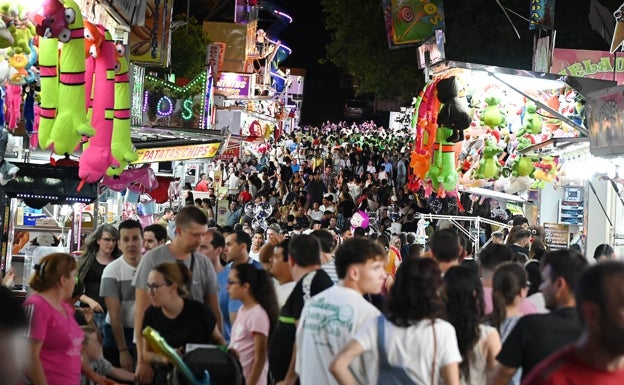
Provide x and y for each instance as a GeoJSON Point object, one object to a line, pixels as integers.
{"type": "Point", "coordinates": [254, 321]}
{"type": "Point", "coordinates": [55, 337]}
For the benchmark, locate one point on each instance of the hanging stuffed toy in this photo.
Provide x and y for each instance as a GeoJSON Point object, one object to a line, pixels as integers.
{"type": "Point", "coordinates": [531, 121]}
{"type": "Point", "coordinates": [452, 120]}
{"type": "Point", "coordinates": [121, 144]}
{"type": "Point", "coordinates": [492, 116]}
{"type": "Point", "coordinates": [48, 62]}
{"type": "Point", "coordinates": [71, 123]}
{"type": "Point", "coordinates": [7, 170]}
{"type": "Point", "coordinates": [93, 43]}
{"type": "Point", "coordinates": [97, 155]}
{"type": "Point", "coordinates": [29, 110]}
{"type": "Point", "coordinates": [489, 166]}
{"type": "Point", "coordinates": [13, 105]}
{"type": "Point", "coordinates": [426, 109]}
{"type": "Point", "coordinates": [52, 20]}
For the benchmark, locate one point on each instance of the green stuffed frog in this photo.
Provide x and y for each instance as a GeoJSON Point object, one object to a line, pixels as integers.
{"type": "Point", "coordinates": [489, 166]}
{"type": "Point", "coordinates": [492, 116]}
{"type": "Point", "coordinates": [531, 122]}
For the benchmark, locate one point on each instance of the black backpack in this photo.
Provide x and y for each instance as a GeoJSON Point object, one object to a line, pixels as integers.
{"type": "Point", "coordinates": [223, 367]}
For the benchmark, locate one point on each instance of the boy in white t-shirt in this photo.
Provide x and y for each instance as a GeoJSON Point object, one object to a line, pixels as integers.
{"type": "Point", "coordinates": [331, 318]}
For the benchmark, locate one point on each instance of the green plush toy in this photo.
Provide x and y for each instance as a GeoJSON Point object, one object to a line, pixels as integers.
{"type": "Point", "coordinates": [492, 116]}
{"type": "Point", "coordinates": [489, 166]}
{"type": "Point", "coordinates": [71, 122]}
{"type": "Point", "coordinates": [443, 173]}
{"type": "Point", "coordinates": [48, 62]}
{"type": "Point", "coordinates": [531, 122]}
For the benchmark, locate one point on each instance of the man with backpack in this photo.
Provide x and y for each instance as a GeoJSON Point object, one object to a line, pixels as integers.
{"type": "Point", "coordinates": [304, 258]}
{"type": "Point", "coordinates": [331, 318]}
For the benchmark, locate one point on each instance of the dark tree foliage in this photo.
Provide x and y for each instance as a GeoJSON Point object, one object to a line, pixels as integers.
{"type": "Point", "coordinates": [476, 31]}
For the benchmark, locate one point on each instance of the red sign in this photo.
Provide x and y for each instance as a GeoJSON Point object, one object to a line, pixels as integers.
{"type": "Point", "coordinates": [230, 153]}
{"type": "Point", "coordinates": [586, 63]}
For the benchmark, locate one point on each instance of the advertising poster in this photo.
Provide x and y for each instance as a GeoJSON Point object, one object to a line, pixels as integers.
{"type": "Point", "coordinates": [411, 22]}
{"type": "Point", "coordinates": [234, 84]}
{"type": "Point", "coordinates": [222, 211]}
{"type": "Point", "coordinates": [150, 44]}
{"type": "Point", "coordinates": [557, 236]}
{"type": "Point", "coordinates": [588, 64]}
{"type": "Point", "coordinates": [541, 14]}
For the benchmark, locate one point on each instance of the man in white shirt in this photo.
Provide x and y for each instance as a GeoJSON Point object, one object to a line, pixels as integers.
{"type": "Point", "coordinates": [331, 318]}
{"type": "Point", "coordinates": [119, 295]}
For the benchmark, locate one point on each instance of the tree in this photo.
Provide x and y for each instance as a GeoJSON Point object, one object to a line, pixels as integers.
{"type": "Point", "coordinates": [188, 47]}
{"type": "Point", "coordinates": [358, 45]}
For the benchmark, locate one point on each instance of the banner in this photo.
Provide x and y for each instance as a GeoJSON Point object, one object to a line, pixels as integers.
{"type": "Point", "coordinates": [234, 84]}
{"type": "Point", "coordinates": [214, 57]}
{"type": "Point", "coordinates": [167, 154]}
{"type": "Point", "coordinates": [150, 44]}
{"type": "Point", "coordinates": [589, 64]}
{"type": "Point", "coordinates": [233, 151]}
{"type": "Point", "coordinates": [541, 14]}
{"type": "Point", "coordinates": [411, 22]}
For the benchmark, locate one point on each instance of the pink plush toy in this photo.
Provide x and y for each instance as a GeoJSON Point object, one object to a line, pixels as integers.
{"type": "Point", "coordinates": [14, 105]}
{"type": "Point", "coordinates": [97, 156]}
{"type": "Point", "coordinates": [136, 180]}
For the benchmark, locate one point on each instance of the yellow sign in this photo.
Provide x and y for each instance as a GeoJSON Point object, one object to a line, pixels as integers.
{"type": "Point", "coordinates": [167, 154]}
{"type": "Point", "coordinates": [149, 44]}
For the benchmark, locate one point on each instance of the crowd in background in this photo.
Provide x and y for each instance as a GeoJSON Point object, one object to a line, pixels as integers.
{"type": "Point", "coordinates": [306, 295]}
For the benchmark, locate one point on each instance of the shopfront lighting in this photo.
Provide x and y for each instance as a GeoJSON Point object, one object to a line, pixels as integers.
{"type": "Point", "coordinates": [167, 109]}
{"type": "Point", "coordinates": [530, 83]}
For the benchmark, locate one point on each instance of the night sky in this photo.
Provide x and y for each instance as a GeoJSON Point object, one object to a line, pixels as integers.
{"type": "Point", "coordinates": [324, 99]}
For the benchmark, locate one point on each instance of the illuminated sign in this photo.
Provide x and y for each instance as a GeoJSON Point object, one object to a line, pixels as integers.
{"type": "Point", "coordinates": [587, 63]}
{"type": "Point", "coordinates": [234, 84]}
{"type": "Point", "coordinates": [167, 154]}
{"type": "Point", "coordinates": [166, 104]}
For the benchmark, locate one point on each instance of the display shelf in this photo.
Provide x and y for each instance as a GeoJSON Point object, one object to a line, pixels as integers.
{"type": "Point", "coordinates": [37, 228]}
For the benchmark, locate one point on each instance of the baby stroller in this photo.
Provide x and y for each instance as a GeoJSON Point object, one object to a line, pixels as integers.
{"type": "Point", "coordinates": [222, 368]}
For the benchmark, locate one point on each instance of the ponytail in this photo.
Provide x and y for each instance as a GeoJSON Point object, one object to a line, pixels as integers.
{"type": "Point", "coordinates": [261, 288]}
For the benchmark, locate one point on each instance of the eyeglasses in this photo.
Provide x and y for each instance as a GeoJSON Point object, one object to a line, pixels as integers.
{"type": "Point", "coordinates": [108, 239]}
{"type": "Point", "coordinates": [233, 282]}
{"type": "Point", "coordinates": [155, 286]}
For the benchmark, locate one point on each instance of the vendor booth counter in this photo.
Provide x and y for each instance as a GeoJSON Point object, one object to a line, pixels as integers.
{"type": "Point", "coordinates": [30, 215]}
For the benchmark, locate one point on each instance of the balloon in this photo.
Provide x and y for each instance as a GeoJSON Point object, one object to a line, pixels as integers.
{"type": "Point", "coordinates": [250, 209]}
{"type": "Point", "coordinates": [360, 219]}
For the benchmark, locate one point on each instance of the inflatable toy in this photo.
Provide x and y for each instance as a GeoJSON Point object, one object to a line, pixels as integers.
{"type": "Point", "coordinates": [97, 155]}
{"type": "Point", "coordinates": [121, 144]}
{"type": "Point", "coordinates": [71, 123]}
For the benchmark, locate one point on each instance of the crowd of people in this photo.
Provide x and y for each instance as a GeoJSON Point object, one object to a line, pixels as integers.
{"type": "Point", "coordinates": [307, 297]}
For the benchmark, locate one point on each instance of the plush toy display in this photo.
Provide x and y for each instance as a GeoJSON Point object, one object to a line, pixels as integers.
{"type": "Point", "coordinates": [97, 155]}
{"type": "Point", "coordinates": [136, 180]}
{"type": "Point", "coordinates": [71, 123]}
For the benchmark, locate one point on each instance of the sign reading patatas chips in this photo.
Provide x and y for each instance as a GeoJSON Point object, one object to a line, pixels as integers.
{"type": "Point", "coordinates": [150, 43]}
